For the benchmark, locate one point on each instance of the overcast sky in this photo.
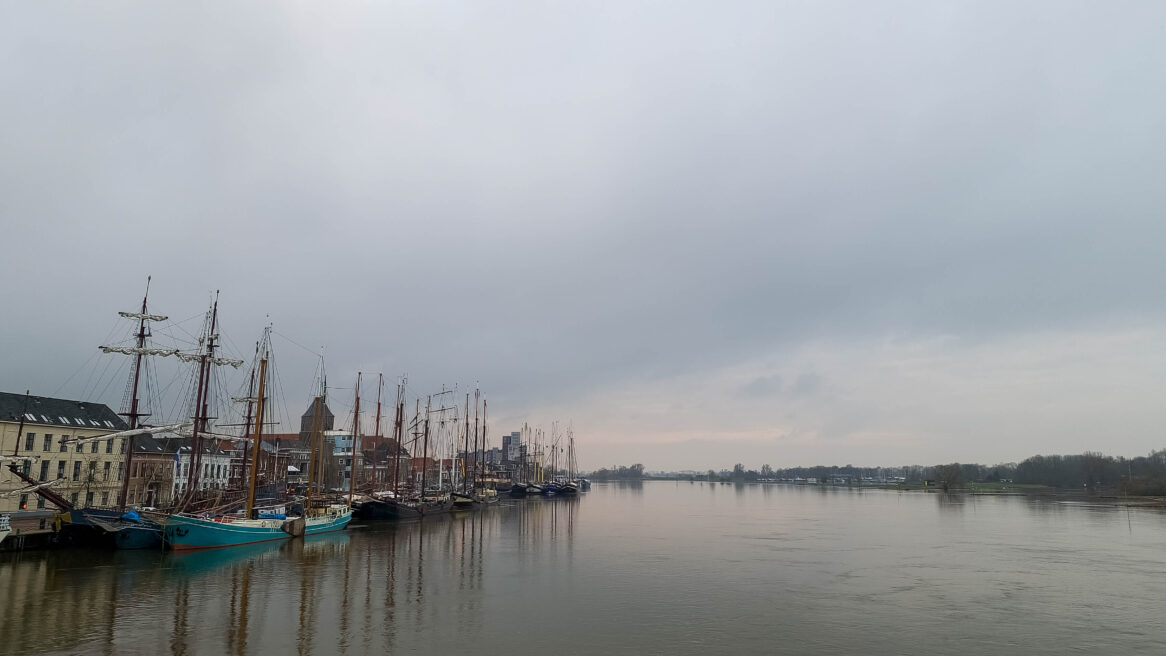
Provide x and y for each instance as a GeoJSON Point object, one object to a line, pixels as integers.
{"type": "Point", "coordinates": [703, 232]}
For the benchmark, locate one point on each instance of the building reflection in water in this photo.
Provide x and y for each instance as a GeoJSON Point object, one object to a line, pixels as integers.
{"type": "Point", "coordinates": [375, 588]}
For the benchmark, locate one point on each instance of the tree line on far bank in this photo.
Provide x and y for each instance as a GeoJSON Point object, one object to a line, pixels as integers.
{"type": "Point", "coordinates": [618, 473]}
{"type": "Point", "coordinates": [1091, 471]}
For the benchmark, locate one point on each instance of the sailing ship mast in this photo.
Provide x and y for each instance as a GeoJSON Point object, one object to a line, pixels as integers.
{"type": "Point", "coordinates": [485, 431]}
{"type": "Point", "coordinates": [259, 407]}
{"type": "Point", "coordinates": [480, 458]}
{"type": "Point", "coordinates": [206, 360]}
{"type": "Point", "coordinates": [134, 415]}
{"type": "Point", "coordinates": [466, 449]}
{"type": "Point", "coordinates": [250, 400]}
{"type": "Point", "coordinates": [355, 443]}
{"type": "Point", "coordinates": [200, 405]}
{"type": "Point", "coordinates": [425, 446]}
{"type": "Point", "coordinates": [477, 395]}
{"type": "Point", "coordinates": [398, 434]}
{"type": "Point", "coordinates": [377, 437]}
{"type": "Point", "coordinates": [415, 425]}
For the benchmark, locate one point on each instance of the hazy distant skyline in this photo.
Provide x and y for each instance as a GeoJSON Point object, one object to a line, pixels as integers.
{"type": "Point", "coordinates": [704, 233]}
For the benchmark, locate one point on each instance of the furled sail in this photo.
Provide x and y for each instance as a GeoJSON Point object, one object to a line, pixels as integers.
{"type": "Point", "coordinates": [147, 317]}
{"type": "Point", "coordinates": [134, 431]}
{"type": "Point", "coordinates": [129, 350]}
{"type": "Point", "coordinates": [19, 458]}
{"type": "Point", "coordinates": [194, 357]}
{"type": "Point", "coordinates": [30, 488]}
{"type": "Point", "coordinates": [208, 435]}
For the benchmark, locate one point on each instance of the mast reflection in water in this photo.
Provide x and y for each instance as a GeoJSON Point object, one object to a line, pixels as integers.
{"type": "Point", "coordinates": [662, 567]}
{"type": "Point", "coordinates": [374, 588]}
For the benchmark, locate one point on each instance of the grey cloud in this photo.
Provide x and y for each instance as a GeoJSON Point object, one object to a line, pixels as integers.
{"type": "Point", "coordinates": [762, 387]}
{"type": "Point", "coordinates": [554, 201]}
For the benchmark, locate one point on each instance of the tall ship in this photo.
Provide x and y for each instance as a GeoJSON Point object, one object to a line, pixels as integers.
{"type": "Point", "coordinates": [192, 527]}
{"type": "Point", "coordinates": [408, 501]}
{"type": "Point", "coordinates": [121, 527]}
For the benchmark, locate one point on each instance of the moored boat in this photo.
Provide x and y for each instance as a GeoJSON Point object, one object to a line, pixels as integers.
{"type": "Point", "coordinates": [119, 530]}
{"type": "Point", "coordinates": [335, 518]}
{"type": "Point", "coordinates": [186, 532]}
{"type": "Point", "coordinates": [485, 496]}
{"type": "Point", "coordinates": [123, 528]}
{"type": "Point", "coordinates": [400, 509]}
{"type": "Point", "coordinates": [434, 505]}
{"type": "Point", "coordinates": [381, 509]}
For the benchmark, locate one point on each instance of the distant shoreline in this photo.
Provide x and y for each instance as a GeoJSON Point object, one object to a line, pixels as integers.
{"type": "Point", "coordinates": [1103, 497]}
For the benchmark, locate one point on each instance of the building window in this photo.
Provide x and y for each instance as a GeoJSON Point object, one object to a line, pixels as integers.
{"type": "Point", "coordinates": [121, 470]}
{"type": "Point", "coordinates": [93, 447]}
{"type": "Point", "coordinates": [40, 503]}
{"type": "Point", "coordinates": [105, 473]}
{"type": "Point", "coordinates": [109, 446]}
{"type": "Point", "coordinates": [44, 469]}
{"type": "Point", "coordinates": [73, 498]}
{"type": "Point", "coordinates": [76, 473]}
{"type": "Point", "coordinates": [137, 470]}
{"type": "Point", "coordinates": [48, 442]}
{"type": "Point", "coordinates": [27, 469]}
{"type": "Point", "coordinates": [80, 446]}
{"type": "Point", "coordinates": [61, 469]}
{"type": "Point", "coordinates": [92, 470]}
{"type": "Point", "coordinates": [105, 497]}
{"type": "Point", "coordinates": [88, 499]}
{"type": "Point", "coordinates": [24, 502]}
{"type": "Point", "coordinates": [29, 440]}
{"type": "Point", "coordinates": [64, 446]}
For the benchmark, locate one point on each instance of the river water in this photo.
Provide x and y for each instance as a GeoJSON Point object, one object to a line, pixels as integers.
{"type": "Point", "coordinates": [652, 568]}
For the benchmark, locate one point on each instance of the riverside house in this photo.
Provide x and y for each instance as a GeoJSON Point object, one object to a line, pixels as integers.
{"type": "Point", "coordinates": [44, 429]}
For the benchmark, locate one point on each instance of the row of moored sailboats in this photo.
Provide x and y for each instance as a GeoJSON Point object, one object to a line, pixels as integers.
{"type": "Point", "coordinates": [201, 517]}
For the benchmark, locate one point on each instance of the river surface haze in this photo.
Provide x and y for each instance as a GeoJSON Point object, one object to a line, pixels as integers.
{"type": "Point", "coordinates": [652, 568]}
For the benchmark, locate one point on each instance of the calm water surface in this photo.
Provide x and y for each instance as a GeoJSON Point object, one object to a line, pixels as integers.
{"type": "Point", "coordinates": [675, 568]}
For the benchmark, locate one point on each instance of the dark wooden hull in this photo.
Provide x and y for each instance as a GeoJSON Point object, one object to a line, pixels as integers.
{"type": "Point", "coordinates": [393, 510]}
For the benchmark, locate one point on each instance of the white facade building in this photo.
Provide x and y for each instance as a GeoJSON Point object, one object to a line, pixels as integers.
{"type": "Point", "coordinates": [216, 468]}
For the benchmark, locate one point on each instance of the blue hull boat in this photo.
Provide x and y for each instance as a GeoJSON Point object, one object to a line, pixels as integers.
{"type": "Point", "coordinates": [336, 519]}
{"type": "Point", "coordinates": [184, 532]}
{"type": "Point", "coordinates": [112, 528]}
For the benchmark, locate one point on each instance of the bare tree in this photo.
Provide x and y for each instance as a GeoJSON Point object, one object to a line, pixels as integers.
{"type": "Point", "coordinates": [949, 476]}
